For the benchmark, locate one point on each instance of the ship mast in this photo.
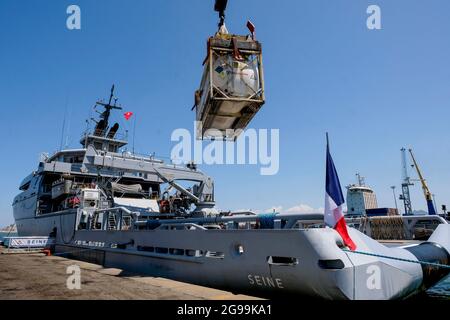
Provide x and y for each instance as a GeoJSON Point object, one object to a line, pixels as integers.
{"type": "Point", "coordinates": [104, 138]}
{"type": "Point", "coordinates": [102, 125]}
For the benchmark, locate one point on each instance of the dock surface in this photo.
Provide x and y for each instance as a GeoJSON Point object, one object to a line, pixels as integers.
{"type": "Point", "coordinates": [36, 276]}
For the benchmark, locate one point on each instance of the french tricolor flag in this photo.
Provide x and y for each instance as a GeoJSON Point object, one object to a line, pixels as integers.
{"type": "Point", "coordinates": [334, 200]}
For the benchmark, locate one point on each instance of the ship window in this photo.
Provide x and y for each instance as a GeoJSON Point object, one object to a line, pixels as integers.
{"type": "Point", "coordinates": [73, 159]}
{"type": "Point", "coordinates": [161, 250]}
{"type": "Point", "coordinates": [177, 252]}
{"type": "Point", "coordinates": [25, 186]}
{"type": "Point", "coordinates": [282, 261]}
{"type": "Point", "coordinates": [145, 248]}
{"type": "Point", "coordinates": [331, 264]}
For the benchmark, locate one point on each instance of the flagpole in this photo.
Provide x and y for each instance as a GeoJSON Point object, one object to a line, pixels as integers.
{"type": "Point", "coordinates": [134, 130]}
{"type": "Point", "coordinates": [334, 201]}
{"type": "Point", "coordinates": [328, 142]}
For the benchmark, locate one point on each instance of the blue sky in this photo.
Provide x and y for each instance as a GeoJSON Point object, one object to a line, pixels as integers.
{"type": "Point", "coordinates": [373, 91]}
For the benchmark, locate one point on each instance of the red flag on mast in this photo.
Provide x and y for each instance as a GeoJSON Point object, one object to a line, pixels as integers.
{"type": "Point", "coordinates": [128, 115]}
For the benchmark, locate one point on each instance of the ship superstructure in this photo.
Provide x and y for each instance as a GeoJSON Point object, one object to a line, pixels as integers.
{"type": "Point", "coordinates": [100, 176]}
{"type": "Point", "coordinates": [360, 197]}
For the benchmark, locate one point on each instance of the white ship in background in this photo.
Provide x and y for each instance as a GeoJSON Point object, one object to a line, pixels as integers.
{"type": "Point", "coordinates": [384, 223]}
{"type": "Point", "coordinates": [360, 197]}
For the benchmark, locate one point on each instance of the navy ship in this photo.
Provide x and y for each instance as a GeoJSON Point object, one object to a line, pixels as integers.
{"type": "Point", "coordinates": [108, 206]}
{"type": "Point", "coordinates": [103, 204]}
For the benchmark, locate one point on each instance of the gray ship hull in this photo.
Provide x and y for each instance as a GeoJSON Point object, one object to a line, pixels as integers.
{"type": "Point", "coordinates": [266, 263]}
{"type": "Point", "coordinates": [274, 263]}
{"type": "Point", "coordinates": [215, 262]}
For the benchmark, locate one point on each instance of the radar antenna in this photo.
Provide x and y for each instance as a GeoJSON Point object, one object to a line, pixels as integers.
{"type": "Point", "coordinates": [102, 125]}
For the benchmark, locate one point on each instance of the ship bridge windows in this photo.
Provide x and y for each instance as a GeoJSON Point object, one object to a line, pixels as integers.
{"type": "Point", "coordinates": [98, 145]}
{"type": "Point", "coordinates": [74, 159]}
{"type": "Point", "coordinates": [25, 186]}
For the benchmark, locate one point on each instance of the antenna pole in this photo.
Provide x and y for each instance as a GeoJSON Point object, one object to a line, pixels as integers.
{"type": "Point", "coordinates": [68, 130]}
{"type": "Point", "coordinates": [86, 134]}
{"type": "Point", "coordinates": [134, 130]}
{"type": "Point", "coordinates": [112, 95]}
{"type": "Point", "coordinates": [63, 126]}
{"type": "Point", "coordinates": [62, 132]}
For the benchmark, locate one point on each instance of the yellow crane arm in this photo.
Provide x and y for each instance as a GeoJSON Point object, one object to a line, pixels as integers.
{"type": "Point", "coordinates": [426, 191]}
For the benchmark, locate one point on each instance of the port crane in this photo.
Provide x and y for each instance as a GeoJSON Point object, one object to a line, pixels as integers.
{"type": "Point", "coordinates": [405, 196]}
{"type": "Point", "coordinates": [426, 190]}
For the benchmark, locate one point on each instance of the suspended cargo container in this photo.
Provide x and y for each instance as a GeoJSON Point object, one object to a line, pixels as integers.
{"type": "Point", "coordinates": [232, 87]}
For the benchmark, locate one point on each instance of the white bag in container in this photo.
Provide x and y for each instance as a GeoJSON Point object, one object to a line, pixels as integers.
{"type": "Point", "coordinates": [235, 78]}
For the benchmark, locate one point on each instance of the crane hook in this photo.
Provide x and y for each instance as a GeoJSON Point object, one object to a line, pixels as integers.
{"type": "Point", "coordinates": [220, 6]}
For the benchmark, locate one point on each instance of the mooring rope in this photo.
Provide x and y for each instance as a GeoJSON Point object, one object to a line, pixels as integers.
{"type": "Point", "coordinates": [439, 265]}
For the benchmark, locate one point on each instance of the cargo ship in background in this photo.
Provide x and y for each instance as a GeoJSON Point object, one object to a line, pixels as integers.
{"type": "Point", "coordinates": [384, 223]}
